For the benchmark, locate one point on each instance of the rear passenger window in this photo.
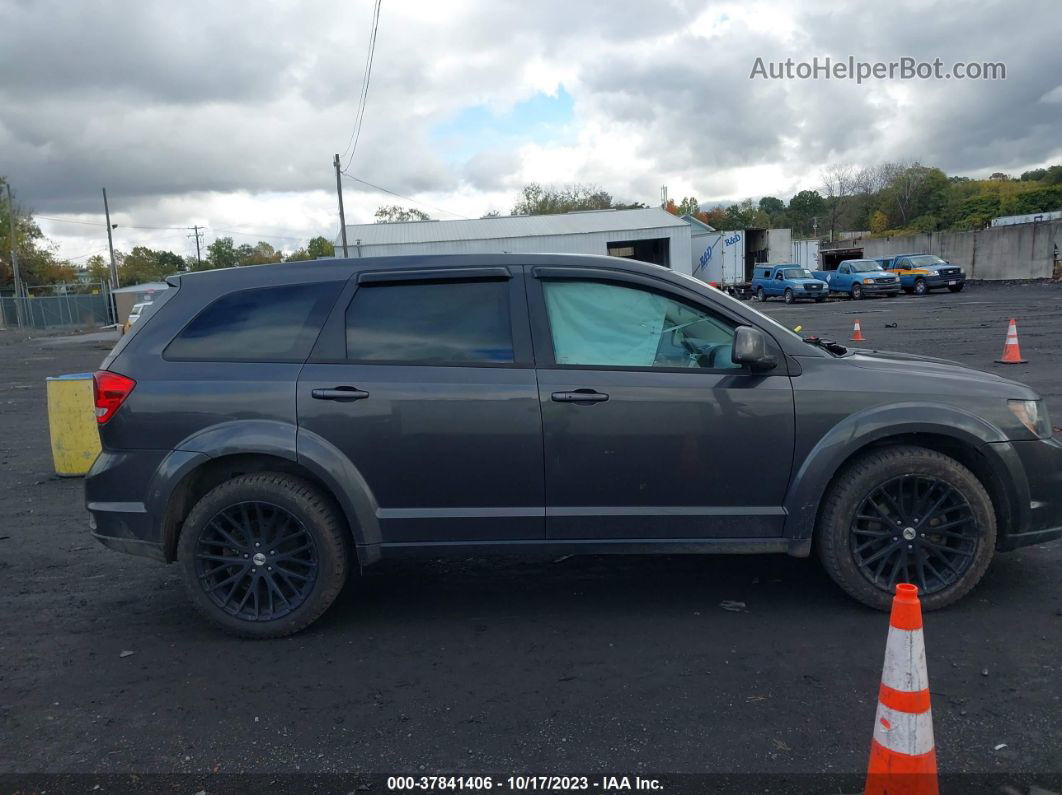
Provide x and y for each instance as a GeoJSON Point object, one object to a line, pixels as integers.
{"type": "Point", "coordinates": [269, 324]}
{"type": "Point", "coordinates": [463, 322]}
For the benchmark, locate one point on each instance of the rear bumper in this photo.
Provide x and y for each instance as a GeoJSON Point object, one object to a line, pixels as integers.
{"type": "Point", "coordinates": [115, 489]}
{"type": "Point", "coordinates": [1040, 519]}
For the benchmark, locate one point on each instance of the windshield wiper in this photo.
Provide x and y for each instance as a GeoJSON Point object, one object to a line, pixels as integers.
{"type": "Point", "coordinates": [829, 345]}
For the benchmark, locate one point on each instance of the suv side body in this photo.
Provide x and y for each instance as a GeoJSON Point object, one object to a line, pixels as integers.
{"type": "Point", "coordinates": [511, 402]}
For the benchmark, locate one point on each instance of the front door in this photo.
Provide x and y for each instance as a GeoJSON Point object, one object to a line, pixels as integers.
{"type": "Point", "coordinates": [651, 431]}
{"type": "Point", "coordinates": [423, 379]}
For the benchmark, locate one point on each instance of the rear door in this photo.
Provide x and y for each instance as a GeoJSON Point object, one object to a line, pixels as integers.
{"type": "Point", "coordinates": [651, 432]}
{"type": "Point", "coordinates": [423, 379]}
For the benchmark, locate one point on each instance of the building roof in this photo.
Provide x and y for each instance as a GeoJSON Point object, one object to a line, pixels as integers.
{"type": "Point", "coordinates": [697, 223]}
{"type": "Point", "coordinates": [511, 226]}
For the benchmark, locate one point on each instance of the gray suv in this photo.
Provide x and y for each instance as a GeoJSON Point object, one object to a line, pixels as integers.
{"type": "Point", "coordinates": [270, 428]}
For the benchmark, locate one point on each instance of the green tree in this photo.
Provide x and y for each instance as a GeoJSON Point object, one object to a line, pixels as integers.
{"type": "Point", "coordinates": [220, 254]}
{"type": "Point", "coordinates": [804, 209]}
{"type": "Point", "coordinates": [392, 213]}
{"type": "Point", "coordinates": [536, 199]}
{"type": "Point", "coordinates": [97, 268]}
{"type": "Point", "coordinates": [320, 247]}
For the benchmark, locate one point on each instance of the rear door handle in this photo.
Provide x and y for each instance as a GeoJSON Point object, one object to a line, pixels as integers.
{"type": "Point", "coordinates": [579, 396]}
{"type": "Point", "coordinates": [340, 393]}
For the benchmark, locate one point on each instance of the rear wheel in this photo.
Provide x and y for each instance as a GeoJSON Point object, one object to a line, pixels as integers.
{"type": "Point", "coordinates": [921, 287]}
{"type": "Point", "coordinates": [788, 296]}
{"type": "Point", "coordinates": [264, 555]}
{"type": "Point", "coordinates": [857, 292]}
{"type": "Point", "coordinates": [906, 514]}
{"type": "Point", "coordinates": [955, 288]}
{"type": "Point", "coordinates": [761, 296]}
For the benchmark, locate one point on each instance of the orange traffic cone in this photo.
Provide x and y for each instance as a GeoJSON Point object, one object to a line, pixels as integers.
{"type": "Point", "coordinates": [903, 759]}
{"type": "Point", "coordinates": [1011, 351]}
{"type": "Point", "coordinates": [857, 333]}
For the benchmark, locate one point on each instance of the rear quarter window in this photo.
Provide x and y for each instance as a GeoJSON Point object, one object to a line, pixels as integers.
{"type": "Point", "coordinates": [265, 324]}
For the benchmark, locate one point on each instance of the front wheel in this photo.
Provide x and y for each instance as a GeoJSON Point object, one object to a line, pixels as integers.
{"type": "Point", "coordinates": [955, 288]}
{"type": "Point", "coordinates": [906, 514]}
{"type": "Point", "coordinates": [920, 287]}
{"type": "Point", "coordinates": [264, 555]}
{"type": "Point", "coordinates": [761, 296]}
{"type": "Point", "coordinates": [788, 296]}
{"type": "Point", "coordinates": [857, 292]}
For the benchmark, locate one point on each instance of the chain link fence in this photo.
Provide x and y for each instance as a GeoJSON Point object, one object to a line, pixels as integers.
{"type": "Point", "coordinates": [56, 311]}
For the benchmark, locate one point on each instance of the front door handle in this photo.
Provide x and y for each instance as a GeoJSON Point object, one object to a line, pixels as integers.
{"type": "Point", "coordinates": [340, 393]}
{"type": "Point", "coordinates": [579, 396]}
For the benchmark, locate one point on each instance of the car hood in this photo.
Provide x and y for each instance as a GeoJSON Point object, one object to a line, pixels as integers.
{"type": "Point", "coordinates": [930, 366]}
{"type": "Point", "coordinates": [807, 281]}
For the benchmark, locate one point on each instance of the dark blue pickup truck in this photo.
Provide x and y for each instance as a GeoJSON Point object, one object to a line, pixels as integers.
{"type": "Point", "coordinates": [790, 282]}
{"type": "Point", "coordinates": [920, 273]}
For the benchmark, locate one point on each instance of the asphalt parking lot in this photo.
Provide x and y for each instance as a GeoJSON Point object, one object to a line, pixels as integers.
{"type": "Point", "coordinates": [620, 665]}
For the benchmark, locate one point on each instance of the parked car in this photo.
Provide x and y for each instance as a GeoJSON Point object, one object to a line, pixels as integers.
{"type": "Point", "coordinates": [789, 282]}
{"type": "Point", "coordinates": [920, 273]}
{"type": "Point", "coordinates": [859, 277]}
{"type": "Point", "coordinates": [272, 429]}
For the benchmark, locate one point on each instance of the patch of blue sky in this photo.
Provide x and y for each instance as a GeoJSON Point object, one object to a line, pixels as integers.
{"type": "Point", "coordinates": [543, 119]}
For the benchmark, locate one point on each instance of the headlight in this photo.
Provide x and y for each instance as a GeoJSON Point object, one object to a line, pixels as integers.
{"type": "Point", "coordinates": [868, 281]}
{"type": "Point", "coordinates": [1033, 415]}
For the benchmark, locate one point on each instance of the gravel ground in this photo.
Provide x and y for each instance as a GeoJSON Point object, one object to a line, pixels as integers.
{"type": "Point", "coordinates": [618, 665]}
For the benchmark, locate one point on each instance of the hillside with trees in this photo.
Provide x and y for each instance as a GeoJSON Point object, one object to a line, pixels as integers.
{"type": "Point", "coordinates": [890, 199]}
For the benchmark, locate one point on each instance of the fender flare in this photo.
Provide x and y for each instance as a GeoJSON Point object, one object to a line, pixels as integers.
{"type": "Point", "coordinates": [281, 440]}
{"type": "Point", "coordinates": [808, 485]}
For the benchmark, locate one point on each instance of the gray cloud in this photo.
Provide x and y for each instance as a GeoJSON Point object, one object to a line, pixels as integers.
{"type": "Point", "coordinates": [157, 99]}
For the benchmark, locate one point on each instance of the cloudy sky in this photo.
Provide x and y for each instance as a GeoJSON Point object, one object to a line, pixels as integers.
{"type": "Point", "coordinates": [227, 114]}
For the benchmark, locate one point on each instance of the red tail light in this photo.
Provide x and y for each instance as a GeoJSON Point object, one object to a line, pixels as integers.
{"type": "Point", "coordinates": [110, 391]}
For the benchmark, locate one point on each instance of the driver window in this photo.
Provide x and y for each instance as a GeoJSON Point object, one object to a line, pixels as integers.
{"type": "Point", "coordinates": [843, 269]}
{"type": "Point", "coordinates": [604, 324]}
{"type": "Point", "coordinates": [779, 277]}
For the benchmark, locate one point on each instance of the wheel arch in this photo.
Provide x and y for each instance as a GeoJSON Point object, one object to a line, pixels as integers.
{"type": "Point", "coordinates": [978, 445]}
{"type": "Point", "coordinates": [206, 473]}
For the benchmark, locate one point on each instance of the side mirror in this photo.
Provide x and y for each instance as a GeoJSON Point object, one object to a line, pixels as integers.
{"type": "Point", "coordinates": [750, 347]}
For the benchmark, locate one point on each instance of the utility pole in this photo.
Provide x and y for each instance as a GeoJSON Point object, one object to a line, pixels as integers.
{"type": "Point", "coordinates": [198, 257]}
{"type": "Point", "coordinates": [342, 216]}
{"type": "Point", "coordinates": [110, 242]}
{"type": "Point", "coordinates": [13, 241]}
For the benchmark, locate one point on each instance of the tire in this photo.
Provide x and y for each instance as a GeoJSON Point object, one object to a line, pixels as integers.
{"type": "Point", "coordinates": [761, 296]}
{"type": "Point", "coordinates": [908, 290]}
{"type": "Point", "coordinates": [857, 292]}
{"type": "Point", "coordinates": [313, 545]}
{"type": "Point", "coordinates": [842, 535]}
{"type": "Point", "coordinates": [920, 287]}
{"type": "Point", "coordinates": [955, 288]}
{"type": "Point", "coordinates": [788, 296]}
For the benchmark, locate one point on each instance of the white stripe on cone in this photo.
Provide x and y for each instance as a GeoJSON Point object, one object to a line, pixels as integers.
{"type": "Point", "coordinates": [905, 661]}
{"type": "Point", "coordinates": [904, 732]}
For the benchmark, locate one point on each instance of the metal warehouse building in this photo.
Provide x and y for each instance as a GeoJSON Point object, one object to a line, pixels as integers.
{"type": "Point", "coordinates": [650, 235]}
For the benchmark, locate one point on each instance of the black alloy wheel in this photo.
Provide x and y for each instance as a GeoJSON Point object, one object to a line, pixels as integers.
{"type": "Point", "coordinates": [915, 529]}
{"type": "Point", "coordinates": [256, 561]}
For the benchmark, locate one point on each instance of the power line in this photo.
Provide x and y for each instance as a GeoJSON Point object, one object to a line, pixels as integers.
{"type": "Point", "coordinates": [100, 223]}
{"type": "Point", "coordinates": [247, 233]}
{"type": "Point", "coordinates": [352, 144]}
{"type": "Point", "coordinates": [407, 198]}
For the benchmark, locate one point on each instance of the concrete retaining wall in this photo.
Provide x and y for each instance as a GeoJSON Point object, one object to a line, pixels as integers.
{"type": "Point", "coordinates": [1026, 251]}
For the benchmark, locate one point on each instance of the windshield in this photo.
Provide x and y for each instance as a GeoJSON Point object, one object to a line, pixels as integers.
{"type": "Point", "coordinates": [925, 261]}
{"type": "Point", "coordinates": [797, 273]}
{"type": "Point", "coordinates": [864, 265]}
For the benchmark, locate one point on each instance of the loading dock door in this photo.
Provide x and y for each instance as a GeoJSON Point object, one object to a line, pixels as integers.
{"type": "Point", "coordinates": [655, 250]}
